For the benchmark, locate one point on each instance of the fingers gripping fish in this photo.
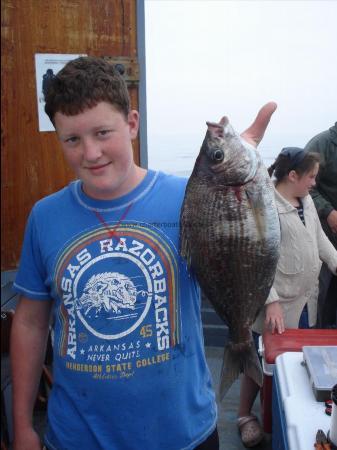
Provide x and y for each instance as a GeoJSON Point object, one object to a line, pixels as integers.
{"type": "Point", "coordinates": [230, 237]}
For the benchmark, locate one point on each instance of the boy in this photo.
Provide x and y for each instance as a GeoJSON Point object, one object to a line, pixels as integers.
{"type": "Point", "coordinates": [102, 255]}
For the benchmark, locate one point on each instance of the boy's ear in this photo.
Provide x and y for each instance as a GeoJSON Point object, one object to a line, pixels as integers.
{"type": "Point", "coordinates": [133, 121]}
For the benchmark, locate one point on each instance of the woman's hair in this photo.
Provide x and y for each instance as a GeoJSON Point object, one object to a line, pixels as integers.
{"type": "Point", "coordinates": [293, 158]}
{"type": "Point", "coordinates": [82, 84]}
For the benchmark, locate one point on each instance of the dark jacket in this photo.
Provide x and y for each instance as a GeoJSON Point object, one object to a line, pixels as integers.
{"type": "Point", "coordinates": [325, 192]}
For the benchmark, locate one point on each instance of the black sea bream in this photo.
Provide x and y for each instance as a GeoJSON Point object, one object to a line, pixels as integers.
{"type": "Point", "coordinates": [230, 237]}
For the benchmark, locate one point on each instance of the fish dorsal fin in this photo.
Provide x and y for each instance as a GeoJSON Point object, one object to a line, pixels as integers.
{"type": "Point", "coordinates": [217, 129]}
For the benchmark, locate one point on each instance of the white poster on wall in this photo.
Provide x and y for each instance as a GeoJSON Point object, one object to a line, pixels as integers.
{"type": "Point", "coordinates": [46, 67]}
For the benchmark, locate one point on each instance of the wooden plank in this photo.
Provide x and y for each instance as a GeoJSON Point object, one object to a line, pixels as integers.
{"type": "Point", "coordinates": [32, 163]}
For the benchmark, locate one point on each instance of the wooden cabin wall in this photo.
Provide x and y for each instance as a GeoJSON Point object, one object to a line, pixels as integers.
{"type": "Point", "coordinates": [32, 165]}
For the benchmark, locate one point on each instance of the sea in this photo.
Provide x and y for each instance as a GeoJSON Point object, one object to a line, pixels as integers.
{"type": "Point", "coordinates": [179, 159]}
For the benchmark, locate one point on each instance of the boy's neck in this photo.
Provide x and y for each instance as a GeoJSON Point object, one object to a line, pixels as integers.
{"type": "Point", "coordinates": [134, 178]}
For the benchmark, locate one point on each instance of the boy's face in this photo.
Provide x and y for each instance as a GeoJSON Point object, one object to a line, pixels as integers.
{"type": "Point", "coordinates": [97, 146]}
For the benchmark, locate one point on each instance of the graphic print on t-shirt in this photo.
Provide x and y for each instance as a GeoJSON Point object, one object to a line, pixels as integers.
{"type": "Point", "coordinates": [118, 310]}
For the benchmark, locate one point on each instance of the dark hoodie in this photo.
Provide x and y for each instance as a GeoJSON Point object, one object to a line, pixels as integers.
{"type": "Point", "coordinates": [325, 192]}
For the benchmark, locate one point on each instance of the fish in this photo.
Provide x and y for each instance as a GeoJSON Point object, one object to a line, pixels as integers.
{"type": "Point", "coordinates": [230, 239]}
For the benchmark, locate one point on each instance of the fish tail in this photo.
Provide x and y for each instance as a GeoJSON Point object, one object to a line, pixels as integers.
{"type": "Point", "coordinates": [231, 368]}
{"type": "Point", "coordinates": [252, 366]}
{"type": "Point", "coordinates": [234, 363]}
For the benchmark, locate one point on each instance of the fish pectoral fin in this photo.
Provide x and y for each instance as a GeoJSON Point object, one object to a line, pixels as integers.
{"type": "Point", "coordinates": [256, 205]}
{"type": "Point", "coordinates": [185, 252]}
{"type": "Point", "coordinates": [185, 248]}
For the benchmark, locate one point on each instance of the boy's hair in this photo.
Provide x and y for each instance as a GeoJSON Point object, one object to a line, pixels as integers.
{"type": "Point", "coordinates": [82, 84]}
{"type": "Point", "coordinates": [293, 158]}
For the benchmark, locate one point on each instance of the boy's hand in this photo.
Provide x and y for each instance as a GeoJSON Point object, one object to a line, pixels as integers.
{"type": "Point", "coordinates": [274, 317]}
{"type": "Point", "coordinates": [254, 134]}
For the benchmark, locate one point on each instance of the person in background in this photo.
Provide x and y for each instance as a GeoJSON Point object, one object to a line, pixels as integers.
{"type": "Point", "coordinates": [324, 195]}
{"type": "Point", "coordinates": [101, 256]}
{"type": "Point", "coordinates": [292, 300]}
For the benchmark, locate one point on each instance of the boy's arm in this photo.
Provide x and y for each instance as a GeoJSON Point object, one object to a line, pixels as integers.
{"type": "Point", "coordinates": [323, 206]}
{"type": "Point", "coordinates": [29, 335]}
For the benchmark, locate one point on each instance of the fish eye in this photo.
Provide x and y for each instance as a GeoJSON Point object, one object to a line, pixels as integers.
{"type": "Point", "coordinates": [218, 155]}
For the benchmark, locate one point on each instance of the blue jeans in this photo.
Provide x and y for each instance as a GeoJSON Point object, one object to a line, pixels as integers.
{"type": "Point", "coordinates": [304, 319]}
{"type": "Point", "coordinates": [327, 299]}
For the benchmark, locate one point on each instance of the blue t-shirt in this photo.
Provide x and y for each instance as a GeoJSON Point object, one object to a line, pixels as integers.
{"type": "Point", "coordinates": [129, 365]}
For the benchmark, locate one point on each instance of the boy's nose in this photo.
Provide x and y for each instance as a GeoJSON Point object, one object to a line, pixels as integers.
{"type": "Point", "coordinates": [91, 150]}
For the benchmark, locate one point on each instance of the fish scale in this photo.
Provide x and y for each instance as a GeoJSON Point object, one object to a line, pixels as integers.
{"type": "Point", "coordinates": [230, 236]}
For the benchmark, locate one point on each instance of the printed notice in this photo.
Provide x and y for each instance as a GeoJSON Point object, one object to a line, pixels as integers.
{"type": "Point", "coordinates": [46, 67]}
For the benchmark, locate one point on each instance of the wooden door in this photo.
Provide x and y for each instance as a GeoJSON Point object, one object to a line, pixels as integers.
{"type": "Point", "coordinates": [32, 163]}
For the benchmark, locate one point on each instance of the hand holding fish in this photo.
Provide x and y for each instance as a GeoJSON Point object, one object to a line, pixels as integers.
{"type": "Point", "coordinates": [254, 134]}
{"type": "Point", "coordinates": [274, 317]}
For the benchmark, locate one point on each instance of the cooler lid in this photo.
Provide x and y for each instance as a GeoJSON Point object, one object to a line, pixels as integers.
{"type": "Point", "coordinates": [293, 340]}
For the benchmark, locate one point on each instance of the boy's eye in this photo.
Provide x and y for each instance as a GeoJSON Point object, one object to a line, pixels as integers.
{"type": "Point", "coordinates": [71, 139]}
{"type": "Point", "coordinates": [103, 132]}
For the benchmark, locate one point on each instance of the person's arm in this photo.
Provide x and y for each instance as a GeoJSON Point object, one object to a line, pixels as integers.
{"type": "Point", "coordinates": [323, 206]}
{"type": "Point", "coordinates": [274, 317]}
{"type": "Point", "coordinates": [327, 252]}
{"type": "Point", "coordinates": [274, 320]}
{"type": "Point", "coordinates": [332, 220]}
{"type": "Point", "coordinates": [28, 346]}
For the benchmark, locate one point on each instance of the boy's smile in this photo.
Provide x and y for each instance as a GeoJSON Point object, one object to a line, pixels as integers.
{"type": "Point", "coordinates": [97, 144]}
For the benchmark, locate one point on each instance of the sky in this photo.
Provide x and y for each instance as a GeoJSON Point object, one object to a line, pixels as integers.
{"type": "Point", "coordinates": [206, 59]}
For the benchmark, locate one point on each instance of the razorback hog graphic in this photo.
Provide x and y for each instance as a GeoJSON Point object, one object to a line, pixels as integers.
{"type": "Point", "coordinates": [110, 291]}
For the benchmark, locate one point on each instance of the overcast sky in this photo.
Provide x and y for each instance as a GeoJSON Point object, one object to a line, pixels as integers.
{"type": "Point", "coordinates": [206, 59]}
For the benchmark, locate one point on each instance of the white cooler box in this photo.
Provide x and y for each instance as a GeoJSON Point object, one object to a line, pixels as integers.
{"type": "Point", "coordinates": [297, 415]}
